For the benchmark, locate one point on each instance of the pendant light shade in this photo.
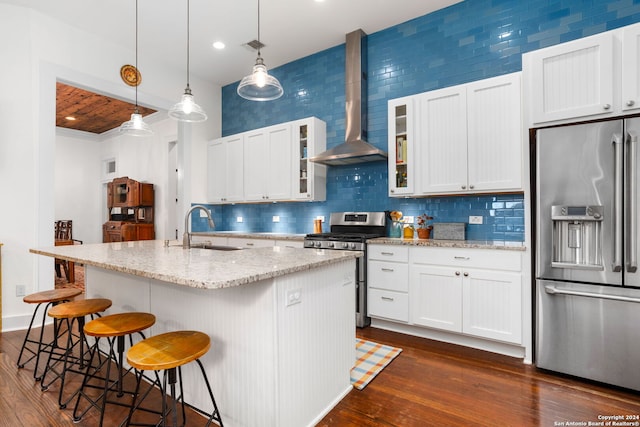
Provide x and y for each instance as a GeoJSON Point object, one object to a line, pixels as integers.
{"type": "Point", "coordinates": [259, 85]}
{"type": "Point", "coordinates": [187, 110]}
{"type": "Point", "coordinates": [136, 125]}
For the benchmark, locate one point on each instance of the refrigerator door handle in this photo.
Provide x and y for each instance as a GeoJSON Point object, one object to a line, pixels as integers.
{"type": "Point", "coordinates": [552, 290]}
{"type": "Point", "coordinates": [632, 202]}
{"type": "Point", "coordinates": [618, 150]}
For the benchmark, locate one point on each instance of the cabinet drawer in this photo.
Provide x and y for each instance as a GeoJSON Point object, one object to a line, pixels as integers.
{"type": "Point", "coordinates": [493, 259]}
{"type": "Point", "coordinates": [388, 275]}
{"type": "Point", "coordinates": [388, 253]}
{"type": "Point", "coordinates": [388, 304]}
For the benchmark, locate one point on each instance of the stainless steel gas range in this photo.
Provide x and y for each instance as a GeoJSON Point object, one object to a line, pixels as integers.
{"type": "Point", "coordinates": [349, 231]}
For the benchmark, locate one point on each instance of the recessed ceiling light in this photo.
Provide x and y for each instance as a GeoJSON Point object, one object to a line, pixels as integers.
{"type": "Point", "coordinates": [218, 45]}
{"type": "Point", "coordinates": [70, 118]}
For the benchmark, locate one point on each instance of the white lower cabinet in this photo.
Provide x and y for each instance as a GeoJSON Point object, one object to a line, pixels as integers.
{"type": "Point", "coordinates": [436, 297]}
{"type": "Point", "coordinates": [388, 282]}
{"type": "Point", "coordinates": [474, 292]}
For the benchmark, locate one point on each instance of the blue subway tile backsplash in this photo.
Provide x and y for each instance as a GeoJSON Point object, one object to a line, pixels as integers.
{"type": "Point", "coordinates": [471, 40]}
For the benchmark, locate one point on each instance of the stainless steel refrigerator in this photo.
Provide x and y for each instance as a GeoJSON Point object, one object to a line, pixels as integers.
{"type": "Point", "coordinates": [587, 278]}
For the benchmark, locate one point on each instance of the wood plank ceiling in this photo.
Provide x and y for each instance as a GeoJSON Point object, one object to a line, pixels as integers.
{"type": "Point", "coordinates": [93, 113]}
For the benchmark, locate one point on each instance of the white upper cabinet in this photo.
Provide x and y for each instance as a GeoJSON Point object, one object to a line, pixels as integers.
{"type": "Point", "coordinates": [471, 138]}
{"type": "Point", "coordinates": [588, 78]}
{"type": "Point", "coordinates": [572, 79]}
{"type": "Point", "coordinates": [630, 96]}
{"type": "Point", "coordinates": [267, 158]}
{"type": "Point", "coordinates": [494, 134]}
{"type": "Point", "coordinates": [268, 164]}
{"type": "Point", "coordinates": [225, 170]}
{"type": "Point", "coordinates": [401, 146]}
{"type": "Point", "coordinates": [443, 142]}
{"type": "Point", "coordinates": [309, 178]}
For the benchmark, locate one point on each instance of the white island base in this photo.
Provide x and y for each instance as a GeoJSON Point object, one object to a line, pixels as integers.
{"type": "Point", "coordinates": [271, 362]}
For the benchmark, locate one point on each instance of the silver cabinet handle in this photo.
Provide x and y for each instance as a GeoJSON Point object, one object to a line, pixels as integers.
{"type": "Point", "coordinates": [392, 191]}
{"type": "Point", "coordinates": [386, 298]}
{"type": "Point", "coordinates": [463, 258]}
{"type": "Point", "coordinates": [457, 273]}
{"type": "Point", "coordinates": [250, 244]}
{"type": "Point", "coordinates": [466, 274]}
{"type": "Point", "coordinates": [464, 187]}
{"type": "Point", "coordinates": [391, 270]}
{"type": "Point", "coordinates": [552, 290]}
{"type": "Point", "coordinates": [617, 202]}
{"type": "Point", "coordinates": [386, 253]}
{"type": "Point", "coordinates": [632, 202]}
{"type": "Point", "coordinates": [630, 103]}
{"type": "Point", "coordinates": [471, 187]}
{"type": "Point", "coordinates": [606, 106]}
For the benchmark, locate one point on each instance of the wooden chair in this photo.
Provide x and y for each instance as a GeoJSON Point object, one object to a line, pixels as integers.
{"type": "Point", "coordinates": [168, 352]}
{"type": "Point", "coordinates": [114, 328]}
{"type": "Point", "coordinates": [64, 236]}
{"type": "Point", "coordinates": [36, 346]}
{"type": "Point", "coordinates": [72, 316]}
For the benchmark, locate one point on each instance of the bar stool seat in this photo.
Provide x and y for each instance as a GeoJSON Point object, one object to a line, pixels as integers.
{"type": "Point", "coordinates": [114, 328]}
{"type": "Point", "coordinates": [168, 352]}
{"type": "Point", "coordinates": [50, 297]}
{"type": "Point", "coordinates": [70, 313]}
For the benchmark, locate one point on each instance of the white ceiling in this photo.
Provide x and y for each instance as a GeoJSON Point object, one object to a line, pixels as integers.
{"type": "Point", "coordinates": [290, 29]}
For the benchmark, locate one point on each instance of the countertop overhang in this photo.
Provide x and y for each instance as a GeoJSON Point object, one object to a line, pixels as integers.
{"type": "Point", "coordinates": [467, 244]}
{"type": "Point", "coordinates": [198, 268]}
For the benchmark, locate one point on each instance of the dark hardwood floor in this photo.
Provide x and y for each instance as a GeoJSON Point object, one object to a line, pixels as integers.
{"type": "Point", "coordinates": [429, 384]}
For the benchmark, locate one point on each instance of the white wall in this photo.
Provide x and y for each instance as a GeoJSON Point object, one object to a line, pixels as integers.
{"type": "Point", "coordinates": [37, 51]}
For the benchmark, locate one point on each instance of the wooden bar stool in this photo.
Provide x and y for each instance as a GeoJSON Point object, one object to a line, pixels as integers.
{"type": "Point", "coordinates": [70, 313]}
{"type": "Point", "coordinates": [49, 298]}
{"type": "Point", "coordinates": [114, 328]}
{"type": "Point", "coordinates": [169, 352]}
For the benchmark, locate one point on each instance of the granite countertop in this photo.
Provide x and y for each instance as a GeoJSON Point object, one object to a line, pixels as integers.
{"type": "Point", "coordinates": [251, 235]}
{"type": "Point", "coordinates": [198, 268]}
{"type": "Point", "coordinates": [467, 244]}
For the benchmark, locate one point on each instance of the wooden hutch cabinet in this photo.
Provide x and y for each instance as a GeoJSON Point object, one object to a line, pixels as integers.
{"type": "Point", "coordinates": [130, 205]}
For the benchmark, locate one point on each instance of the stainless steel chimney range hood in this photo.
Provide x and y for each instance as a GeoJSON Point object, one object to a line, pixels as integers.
{"type": "Point", "coordinates": [355, 149]}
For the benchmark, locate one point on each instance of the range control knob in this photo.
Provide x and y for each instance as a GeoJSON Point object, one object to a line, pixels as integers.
{"type": "Point", "coordinates": [352, 245]}
{"type": "Point", "coordinates": [345, 245]}
{"type": "Point", "coordinates": [317, 244]}
{"type": "Point", "coordinates": [331, 244]}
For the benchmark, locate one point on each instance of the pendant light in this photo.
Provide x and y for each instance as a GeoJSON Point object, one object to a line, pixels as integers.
{"type": "Point", "coordinates": [259, 85]}
{"type": "Point", "coordinates": [186, 110]}
{"type": "Point", "coordinates": [136, 126]}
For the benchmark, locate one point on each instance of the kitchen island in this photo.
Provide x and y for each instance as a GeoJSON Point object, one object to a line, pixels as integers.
{"type": "Point", "coordinates": [281, 320]}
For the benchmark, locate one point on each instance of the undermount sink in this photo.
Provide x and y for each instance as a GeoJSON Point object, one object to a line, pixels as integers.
{"type": "Point", "coordinates": [215, 247]}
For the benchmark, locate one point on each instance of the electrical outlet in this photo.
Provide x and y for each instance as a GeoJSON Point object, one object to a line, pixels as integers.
{"type": "Point", "coordinates": [475, 220]}
{"type": "Point", "coordinates": [203, 214]}
{"type": "Point", "coordinates": [238, 219]}
{"type": "Point", "coordinates": [293, 296]}
{"type": "Point", "coordinates": [320, 217]}
{"type": "Point", "coordinates": [20, 290]}
{"type": "Point", "coordinates": [275, 218]}
{"type": "Point", "coordinates": [408, 220]}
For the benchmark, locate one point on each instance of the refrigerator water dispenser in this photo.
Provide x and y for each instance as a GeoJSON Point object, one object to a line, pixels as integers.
{"type": "Point", "coordinates": [577, 237]}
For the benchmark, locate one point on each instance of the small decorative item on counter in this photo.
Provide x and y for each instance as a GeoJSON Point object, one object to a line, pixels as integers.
{"type": "Point", "coordinates": [396, 225]}
{"type": "Point", "coordinates": [424, 226]}
{"type": "Point", "coordinates": [317, 226]}
{"type": "Point", "coordinates": [408, 231]}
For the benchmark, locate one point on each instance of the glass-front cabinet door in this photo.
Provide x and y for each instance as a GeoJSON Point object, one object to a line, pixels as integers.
{"type": "Point", "coordinates": [310, 179]}
{"type": "Point", "coordinates": [401, 148]}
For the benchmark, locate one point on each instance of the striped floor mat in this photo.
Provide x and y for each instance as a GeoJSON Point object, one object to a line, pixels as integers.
{"type": "Point", "coordinates": [371, 359]}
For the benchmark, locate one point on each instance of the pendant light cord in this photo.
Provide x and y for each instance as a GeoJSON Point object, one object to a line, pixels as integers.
{"type": "Point", "coordinates": [188, 26]}
{"type": "Point", "coordinates": [137, 71]}
{"type": "Point", "coordinates": [259, 43]}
